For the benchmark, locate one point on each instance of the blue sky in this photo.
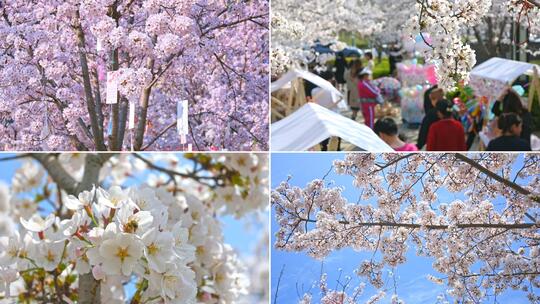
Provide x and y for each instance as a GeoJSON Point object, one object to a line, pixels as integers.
{"type": "Point", "coordinates": [243, 235]}
{"type": "Point", "coordinates": [302, 271]}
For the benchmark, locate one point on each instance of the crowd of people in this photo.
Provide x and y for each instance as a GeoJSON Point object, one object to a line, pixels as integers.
{"type": "Point", "coordinates": [441, 128]}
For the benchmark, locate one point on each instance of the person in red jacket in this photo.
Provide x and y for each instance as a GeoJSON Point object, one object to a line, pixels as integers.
{"type": "Point", "coordinates": [447, 134]}
{"type": "Point", "coordinates": [369, 95]}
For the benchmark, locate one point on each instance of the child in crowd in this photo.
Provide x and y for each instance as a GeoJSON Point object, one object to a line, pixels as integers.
{"type": "Point", "coordinates": [447, 134]}
{"type": "Point", "coordinates": [511, 126]}
{"type": "Point", "coordinates": [387, 130]}
{"type": "Point", "coordinates": [370, 63]}
{"type": "Point", "coordinates": [431, 116]}
{"type": "Point", "coordinates": [369, 95]}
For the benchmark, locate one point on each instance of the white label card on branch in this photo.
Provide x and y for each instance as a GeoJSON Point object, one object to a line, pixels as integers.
{"type": "Point", "coordinates": [182, 118]}
{"type": "Point", "coordinates": [131, 115]}
{"type": "Point", "coordinates": [112, 88]}
{"type": "Point", "coordinates": [99, 46]}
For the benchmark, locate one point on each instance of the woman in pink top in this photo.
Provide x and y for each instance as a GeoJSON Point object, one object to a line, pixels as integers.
{"type": "Point", "coordinates": [368, 94]}
{"type": "Point", "coordinates": [386, 128]}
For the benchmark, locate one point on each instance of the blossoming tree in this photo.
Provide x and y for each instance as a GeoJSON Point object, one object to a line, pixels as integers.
{"type": "Point", "coordinates": [77, 228]}
{"type": "Point", "coordinates": [481, 245]}
{"type": "Point", "coordinates": [445, 21]}
{"type": "Point", "coordinates": [109, 74]}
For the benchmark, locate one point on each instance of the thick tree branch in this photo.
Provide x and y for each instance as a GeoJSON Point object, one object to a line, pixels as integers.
{"type": "Point", "coordinates": [143, 102]}
{"type": "Point", "coordinates": [173, 124]}
{"type": "Point", "coordinates": [433, 227]}
{"type": "Point", "coordinates": [55, 170]}
{"type": "Point", "coordinates": [498, 178]}
{"type": "Point", "coordinates": [90, 104]}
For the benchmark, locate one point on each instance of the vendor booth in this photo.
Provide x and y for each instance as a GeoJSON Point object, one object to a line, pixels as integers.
{"type": "Point", "coordinates": [491, 78]}
{"type": "Point", "coordinates": [312, 124]}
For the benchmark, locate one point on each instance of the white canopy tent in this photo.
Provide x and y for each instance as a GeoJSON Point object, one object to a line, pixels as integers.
{"type": "Point", "coordinates": [311, 124]}
{"type": "Point", "coordinates": [286, 79]}
{"type": "Point", "coordinates": [491, 78]}
{"type": "Point", "coordinates": [503, 70]}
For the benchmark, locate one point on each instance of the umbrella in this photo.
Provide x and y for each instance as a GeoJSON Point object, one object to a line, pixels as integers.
{"type": "Point", "coordinates": [387, 84]}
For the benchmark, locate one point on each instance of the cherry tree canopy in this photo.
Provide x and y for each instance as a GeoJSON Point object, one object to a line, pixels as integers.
{"type": "Point", "coordinates": [56, 58]}
{"type": "Point", "coordinates": [480, 245]}
{"type": "Point", "coordinates": [445, 21]}
{"type": "Point", "coordinates": [90, 224]}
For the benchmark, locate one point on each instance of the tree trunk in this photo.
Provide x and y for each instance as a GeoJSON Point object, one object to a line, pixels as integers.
{"type": "Point", "coordinates": [141, 124]}
{"type": "Point", "coordinates": [90, 104]}
{"type": "Point", "coordinates": [115, 145]}
{"type": "Point", "coordinates": [89, 289]}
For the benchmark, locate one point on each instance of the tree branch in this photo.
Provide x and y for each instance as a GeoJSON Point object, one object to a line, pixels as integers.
{"type": "Point", "coordinates": [90, 104]}
{"type": "Point", "coordinates": [173, 124]}
{"type": "Point", "coordinates": [141, 125]}
{"type": "Point", "coordinates": [498, 178]}
{"type": "Point", "coordinates": [55, 170]}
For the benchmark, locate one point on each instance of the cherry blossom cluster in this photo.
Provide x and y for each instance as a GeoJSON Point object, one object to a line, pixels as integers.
{"type": "Point", "coordinates": [449, 21]}
{"type": "Point", "coordinates": [330, 296]}
{"type": "Point", "coordinates": [444, 20]}
{"type": "Point", "coordinates": [56, 56]}
{"type": "Point", "coordinates": [243, 183]}
{"type": "Point", "coordinates": [252, 192]}
{"type": "Point", "coordinates": [443, 25]}
{"type": "Point", "coordinates": [165, 239]}
{"type": "Point", "coordinates": [481, 248]}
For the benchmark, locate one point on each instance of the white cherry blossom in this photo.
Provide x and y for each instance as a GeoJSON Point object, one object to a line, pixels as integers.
{"type": "Point", "coordinates": [120, 253]}
{"type": "Point", "coordinates": [38, 224]}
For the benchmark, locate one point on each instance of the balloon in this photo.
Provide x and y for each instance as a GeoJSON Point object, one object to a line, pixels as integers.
{"type": "Point", "coordinates": [419, 87]}
{"type": "Point", "coordinates": [431, 76]}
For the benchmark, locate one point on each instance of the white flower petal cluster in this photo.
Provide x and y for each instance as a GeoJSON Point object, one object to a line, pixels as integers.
{"type": "Point", "coordinates": [252, 193]}
{"type": "Point", "coordinates": [296, 26]}
{"type": "Point", "coordinates": [172, 242]}
{"type": "Point", "coordinates": [27, 177]}
{"type": "Point", "coordinates": [163, 236]}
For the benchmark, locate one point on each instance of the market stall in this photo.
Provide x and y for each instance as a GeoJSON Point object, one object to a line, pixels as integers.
{"type": "Point", "coordinates": [491, 78]}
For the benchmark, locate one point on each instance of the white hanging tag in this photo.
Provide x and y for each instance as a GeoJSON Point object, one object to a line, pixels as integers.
{"type": "Point", "coordinates": [99, 45]}
{"type": "Point", "coordinates": [131, 115]}
{"type": "Point", "coordinates": [189, 147]}
{"type": "Point", "coordinates": [112, 88]}
{"type": "Point", "coordinates": [182, 119]}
